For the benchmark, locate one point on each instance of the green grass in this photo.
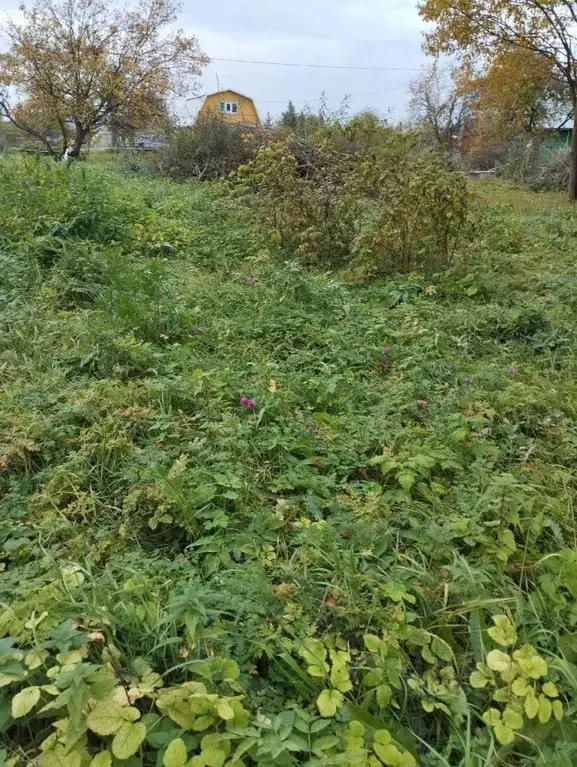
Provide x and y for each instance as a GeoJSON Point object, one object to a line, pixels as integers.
{"type": "Point", "coordinates": [520, 200]}
{"type": "Point", "coordinates": [148, 514]}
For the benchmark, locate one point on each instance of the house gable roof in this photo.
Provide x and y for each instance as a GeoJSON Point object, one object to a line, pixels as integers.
{"type": "Point", "coordinates": [228, 90]}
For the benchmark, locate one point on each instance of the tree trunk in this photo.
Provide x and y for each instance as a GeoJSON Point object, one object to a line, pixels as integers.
{"type": "Point", "coordinates": [79, 138]}
{"type": "Point", "coordinates": [573, 167]}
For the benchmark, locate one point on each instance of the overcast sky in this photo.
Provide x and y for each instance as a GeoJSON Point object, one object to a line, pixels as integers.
{"type": "Point", "coordinates": [364, 33]}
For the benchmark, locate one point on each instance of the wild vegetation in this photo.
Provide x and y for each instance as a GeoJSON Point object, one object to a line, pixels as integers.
{"type": "Point", "coordinates": [362, 195]}
{"type": "Point", "coordinates": [254, 514]}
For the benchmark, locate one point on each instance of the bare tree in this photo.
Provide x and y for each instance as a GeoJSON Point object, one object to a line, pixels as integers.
{"type": "Point", "coordinates": [438, 108]}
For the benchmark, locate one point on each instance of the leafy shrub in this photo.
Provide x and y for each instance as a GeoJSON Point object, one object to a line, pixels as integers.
{"type": "Point", "coordinates": [419, 216]}
{"type": "Point", "coordinates": [361, 197]}
{"type": "Point", "coordinates": [306, 206]}
{"type": "Point", "coordinates": [211, 148]}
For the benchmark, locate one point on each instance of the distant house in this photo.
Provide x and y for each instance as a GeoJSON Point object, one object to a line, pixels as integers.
{"type": "Point", "coordinates": [555, 140]}
{"type": "Point", "coordinates": [104, 138]}
{"type": "Point", "coordinates": [230, 106]}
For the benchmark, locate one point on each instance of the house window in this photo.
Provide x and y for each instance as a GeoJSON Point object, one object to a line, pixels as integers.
{"type": "Point", "coordinates": [228, 107]}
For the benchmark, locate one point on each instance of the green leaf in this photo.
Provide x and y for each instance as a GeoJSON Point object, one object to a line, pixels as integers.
{"type": "Point", "coordinates": [478, 680]}
{"type": "Point", "coordinates": [499, 661]}
{"type": "Point", "coordinates": [178, 711]}
{"type": "Point", "coordinates": [24, 701]}
{"type": "Point", "coordinates": [383, 737]}
{"type": "Point", "coordinates": [400, 733]}
{"type": "Point", "coordinates": [175, 754]}
{"type": "Point", "coordinates": [356, 729]}
{"type": "Point", "coordinates": [103, 759]}
{"type": "Point", "coordinates": [60, 757]}
{"type": "Point", "coordinates": [406, 479]}
{"type": "Point", "coordinates": [224, 709]}
{"type": "Point", "coordinates": [520, 688]}
{"type": "Point", "coordinates": [384, 695]}
{"type": "Point", "coordinates": [340, 678]}
{"type": "Point", "coordinates": [557, 707]}
{"type": "Point", "coordinates": [329, 701]}
{"type": "Point", "coordinates": [530, 663]}
{"type": "Point", "coordinates": [203, 722]}
{"type": "Point", "coordinates": [531, 706]}
{"type": "Point", "coordinates": [398, 593]}
{"type": "Point", "coordinates": [324, 743]}
{"type": "Point", "coordinates": [550, 690]}
{"type": "Point", "coordinates": [504, 734]}
{"type": "Point", "coordinates": [128, 739]}
{"type": "Point", "coordinates": [105, 719]}
{"type": "Point", "coordinates": [512, 719]}
{"type": "Point", "coordinates": [389, 754]}
{"type": "Point", "coordinates": [503, 632]}
{"type": "Point", "coordinates": [441, 649]}
{"type": "Point", "coordinates": [501, 695]}
{"type": "Point", "coordinates": [545, 709]}
{"type": "Point", "coordinates": [492, 716]}
{"type": "Point", "coordinates": [245, 745]}
{"type": "Point", "coordinates": [372, 642]}
{"type": "Point", "coordinates": [213, 757]}
{"type": "Point", "coordinates": [296, 743]}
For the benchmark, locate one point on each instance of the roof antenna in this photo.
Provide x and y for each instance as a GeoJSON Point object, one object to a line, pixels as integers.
{"type": "Point", "coordinates": [217, 83]}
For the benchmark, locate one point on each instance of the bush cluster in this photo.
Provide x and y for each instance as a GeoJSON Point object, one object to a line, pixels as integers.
{"type": "Point", "coordinates": [209, 149]}
{"type": "Point", "coordinates": [361, 196]}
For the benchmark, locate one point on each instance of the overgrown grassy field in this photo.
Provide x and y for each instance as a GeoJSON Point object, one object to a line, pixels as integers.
{"type": "Point", "coordinates": [256, 515]}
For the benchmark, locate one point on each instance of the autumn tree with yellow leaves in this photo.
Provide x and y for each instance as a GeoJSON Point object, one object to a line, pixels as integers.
{"type": "Point", "coordinates": [520, 94]}
{"type": "Point", "coordinates": [75, 65]}
{"type": "Point", "coordinates": [485, 30]}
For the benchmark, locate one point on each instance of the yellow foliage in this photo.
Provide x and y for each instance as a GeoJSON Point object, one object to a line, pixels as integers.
{"type": "Point", "coordinates": [75, 66]}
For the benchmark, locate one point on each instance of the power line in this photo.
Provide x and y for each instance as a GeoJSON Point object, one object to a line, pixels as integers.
{"type": "Point", "coordinates": [339, 98]}
{"type": "Point", "coordinates": [316, 100]}
{"type": "Point", "coordinates": [318, 66]}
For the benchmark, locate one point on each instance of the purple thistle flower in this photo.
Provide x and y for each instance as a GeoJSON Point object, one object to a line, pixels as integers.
{"type": "Point", "coordinates": [244, 401]}
{"type": "Point", "coordinates": [468, 380]}
{"type": "Point", "coordinates": [251, 403]}
{"type": "Point", "coordinates": [386, 350]}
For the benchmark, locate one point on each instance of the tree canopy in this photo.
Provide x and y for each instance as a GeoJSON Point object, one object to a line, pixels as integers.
{"type": "Point", "coordinates": [487, 29]}
{"type": "Point", "coordinates": [289, 116]}
{"type": "Point", "coordinates": [519, 94]}
{"type": "Point", "coordinates": [75, 65]}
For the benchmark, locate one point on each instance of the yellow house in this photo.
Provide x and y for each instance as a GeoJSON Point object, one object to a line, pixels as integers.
{"type": "Point", "coordinates": [231, 106]}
